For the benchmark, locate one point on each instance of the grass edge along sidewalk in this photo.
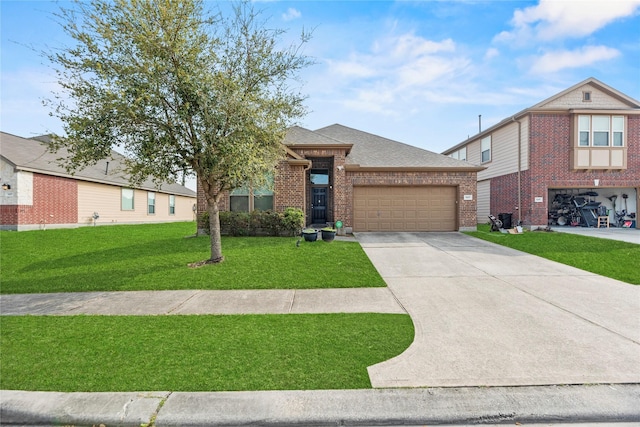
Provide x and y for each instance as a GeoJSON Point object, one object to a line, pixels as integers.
{"type": "Point", "coordinates": [198, 353]}
{"type": "Point", "coordinates": [610, 258]}
{"type": "Point", "coordinates": [156, 256]}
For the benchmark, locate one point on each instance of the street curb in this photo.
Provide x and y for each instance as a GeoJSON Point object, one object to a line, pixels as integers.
{"type": "Point", "coordinates": [462, 405]}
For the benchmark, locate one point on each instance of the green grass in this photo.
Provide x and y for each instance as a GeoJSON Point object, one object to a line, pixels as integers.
{"type": "Point", "coordinates": [197, 353]}
{"type": "Point", "coordinates": [610, 258]}
{"type": "Point", "coordinates": [155, 257]}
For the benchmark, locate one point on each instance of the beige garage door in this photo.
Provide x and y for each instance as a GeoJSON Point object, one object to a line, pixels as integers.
{"type": "Point", "coordinates": [404, 208]}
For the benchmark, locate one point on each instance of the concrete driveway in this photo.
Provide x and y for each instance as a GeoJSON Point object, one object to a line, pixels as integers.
{"type": "Point", "coordinates": [487, 315]}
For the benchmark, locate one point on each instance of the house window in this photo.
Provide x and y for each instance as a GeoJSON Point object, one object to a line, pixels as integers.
{"type": "Point", "coordinates": [618, 131]}
{"type": "Point", "coordinates": [461, 154]}
{"type": "Point", "coordinates": [248, 198]}
{"type": "Point", "coordinates": [600, 131]}
{"type": "Point", "coordinates": [601, 125]}
{"type": "Point", "coordinates": [172, 204]}
{"type": "Point", "coordinates": [127, 199]}
{"type": "Point", "coordinates": [485, 149]}
{"type": "Point", "coordinates": [584, 129]}
{"type": "Point", "coordinates": [586, 96]}
{"type": "Point", "coordinates": [151, 203]}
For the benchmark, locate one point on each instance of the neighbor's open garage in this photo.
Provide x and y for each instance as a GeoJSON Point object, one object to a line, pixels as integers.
{"type": "Point", "coordinates": [410, 208]}
{"type": "Point", "coordinates": [580, 207]}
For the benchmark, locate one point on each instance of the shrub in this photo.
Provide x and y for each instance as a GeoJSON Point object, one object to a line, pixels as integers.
{"type": "Point", "coordinates": [288, 223]}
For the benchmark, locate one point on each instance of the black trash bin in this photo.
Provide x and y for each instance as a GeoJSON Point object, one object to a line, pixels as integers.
{"type": "Point", "coordinates": [506, 219]}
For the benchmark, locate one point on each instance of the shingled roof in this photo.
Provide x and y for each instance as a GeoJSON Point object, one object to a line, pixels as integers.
{"type": "Point", "coordinates": [373, 151]}
{"type": "Point", "coordinates": [33, 155]}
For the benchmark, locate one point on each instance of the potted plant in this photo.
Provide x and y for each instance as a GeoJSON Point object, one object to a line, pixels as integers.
{"type": "Point", "coordinates": [328, 234]}
{"type": "Point", "coordinates": [310, 234]}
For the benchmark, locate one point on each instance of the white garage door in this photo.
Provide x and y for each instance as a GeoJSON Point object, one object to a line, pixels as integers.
{"type": "Point", "coordinates": [404, 208]}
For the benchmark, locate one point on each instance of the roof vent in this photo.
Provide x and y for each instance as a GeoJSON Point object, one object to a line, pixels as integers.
{"type": "Point", "coordinates": [586, 96]}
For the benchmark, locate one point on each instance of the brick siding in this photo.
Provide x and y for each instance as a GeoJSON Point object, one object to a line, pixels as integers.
{"type": "Point", "coordinates": [55, 201]}
{"type": "Point", "coordinates": [549, 167]}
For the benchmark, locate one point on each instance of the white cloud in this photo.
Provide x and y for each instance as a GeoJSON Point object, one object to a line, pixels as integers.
{"type": "Point", "coordinates": [554, 19]}
{"type": "Point", "coordinates": [491, 53]}
{"type": "Point", "coordinates": [559, 60]}
{"type": "Point", "coordinates": [291, 14]}
{"type": "Point", "coordinates": [395, 67]}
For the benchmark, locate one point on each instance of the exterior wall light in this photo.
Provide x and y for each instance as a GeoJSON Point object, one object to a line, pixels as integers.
{"type": "Point", "coordinates": [6, 187]}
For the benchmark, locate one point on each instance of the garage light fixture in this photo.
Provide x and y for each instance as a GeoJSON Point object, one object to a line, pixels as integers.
{"type": "Point", "coordinates": [6, 187]}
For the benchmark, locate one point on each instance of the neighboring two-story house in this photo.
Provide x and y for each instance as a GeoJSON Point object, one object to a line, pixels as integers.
{"type": "Point", "coordinates": [37, 192]}
{"type": "Point", "coordinates": [578, 148]}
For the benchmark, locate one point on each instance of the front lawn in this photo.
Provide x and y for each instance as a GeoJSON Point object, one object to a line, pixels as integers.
{"type": "Point", "coordinates": [197, 353]}
{"type": "Point", "coordinates": [610, 258]}
{"type": "Point", "coordinates": [155, 257]}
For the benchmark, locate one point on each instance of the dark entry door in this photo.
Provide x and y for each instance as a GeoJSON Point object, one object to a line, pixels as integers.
{"type": "Point", "coordinates": [319, 205]}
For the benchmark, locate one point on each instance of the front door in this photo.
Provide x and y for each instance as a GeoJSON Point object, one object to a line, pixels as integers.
{"type": "Point", "coordinates": [319, 205]}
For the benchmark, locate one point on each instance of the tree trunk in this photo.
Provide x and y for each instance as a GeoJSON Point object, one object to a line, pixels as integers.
{"type": "Point", "coordinates": [214, 227]}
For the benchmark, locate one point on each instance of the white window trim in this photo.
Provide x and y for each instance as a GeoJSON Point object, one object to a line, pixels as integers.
{"type": "Point", "coordinates": [151, 196]}
{"type": "Point", "coordinates": [483, 141]}
{"type": "Point", "coordinates": [133, 199]}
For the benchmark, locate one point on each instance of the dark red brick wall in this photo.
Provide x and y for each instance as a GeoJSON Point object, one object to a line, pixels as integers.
{"type": "Point", "coordinates": [55, 201]}
{"type": "Point", "coordinates": [550, 167]}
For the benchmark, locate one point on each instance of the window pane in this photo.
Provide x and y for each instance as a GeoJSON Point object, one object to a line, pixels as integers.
{"type": "Point", "coordinates": [463, 154]}
{"type": "Point", "coordinates": [320, 178]}
{"type": "Point", "coordinates": [172, 204]}
{"type": "Point", "coordinates": [151, 203]}
{"type": "Point", "coordinates": [584, 139]}
{"type": "Point", "coordinates": [618, 131]}
{"type": "Point", "coordinates": [617, 139]}
{"type": "Point", "coordinates": [241, 191]}
{"type": "Point", "coordinates": [584, 123]}
{"type": "Point", "coordinates": [486, 156]}
{"type": "Point", "coordinates": [600, 123]}
{"type": "Point", "coordinates": [263, 203]}
{"type": "Point", "coordinates": [600, 139]}
{"type": "Point", "coordinates": [239, 203]}
{"type": "Point", "coordinates": [127, 199]}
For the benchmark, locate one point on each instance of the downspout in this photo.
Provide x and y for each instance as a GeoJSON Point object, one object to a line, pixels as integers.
{"type": "Point", "coordinates": [519, 207]}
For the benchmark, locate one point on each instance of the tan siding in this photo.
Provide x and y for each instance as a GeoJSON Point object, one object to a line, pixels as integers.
{"type": "Point", "coordinates": [106, 201]}
{"type": "Point", "coordinates": [473, 152]}
{"type": "Point", "coordinates": [504, 151]}
{"type": "Point", "coordinates": [573, 99]}
{"type": "Point", "coordinates": [484, 201]}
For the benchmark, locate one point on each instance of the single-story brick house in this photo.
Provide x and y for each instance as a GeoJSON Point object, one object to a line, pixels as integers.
{"type": "Point", "coordinates": [368, 182]}
{"type": "Point", "coordinates": [565, 161]}
{"type": "Point", "coordinates": [38, 193]}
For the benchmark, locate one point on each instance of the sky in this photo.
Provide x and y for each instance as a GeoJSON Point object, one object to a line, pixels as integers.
{"type": "Point", "coordinates": [419, 72]}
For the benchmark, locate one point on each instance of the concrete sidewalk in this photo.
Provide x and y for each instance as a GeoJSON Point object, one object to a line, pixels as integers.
{"type": "Point", "coordinates": [139, 303]}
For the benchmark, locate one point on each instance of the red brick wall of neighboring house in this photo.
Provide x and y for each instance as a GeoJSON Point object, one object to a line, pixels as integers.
{"type": "Point", "coordinates": [55, 201]}
{"type": "Point", "coordinates": [8, 215]}
{"type": "Point", "coordinates": [465, 181]}
{"type": "Point", "coordinates": [550, 167]}
{"type": "Point", "coordinates": [504, 196]}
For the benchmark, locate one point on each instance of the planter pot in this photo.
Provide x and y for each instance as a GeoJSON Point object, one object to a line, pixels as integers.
{"type": "Point", "coordinates": [310, 237]}
{"type": "Point", "coordinates": [328, 236]}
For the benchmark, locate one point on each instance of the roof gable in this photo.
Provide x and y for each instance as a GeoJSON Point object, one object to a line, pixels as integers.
{"type": "Point", "coordinates": [602, 97]}
{"type": "Point", "coordinates": [33, 155]}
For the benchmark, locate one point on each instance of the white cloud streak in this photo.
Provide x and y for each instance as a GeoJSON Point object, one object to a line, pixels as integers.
{"type": "Point", "coordinates": [291, 14]}
{"type": "Point", "coordinates": [556, 19]}
{"type": "Point", "coordinates": [559, 60]}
